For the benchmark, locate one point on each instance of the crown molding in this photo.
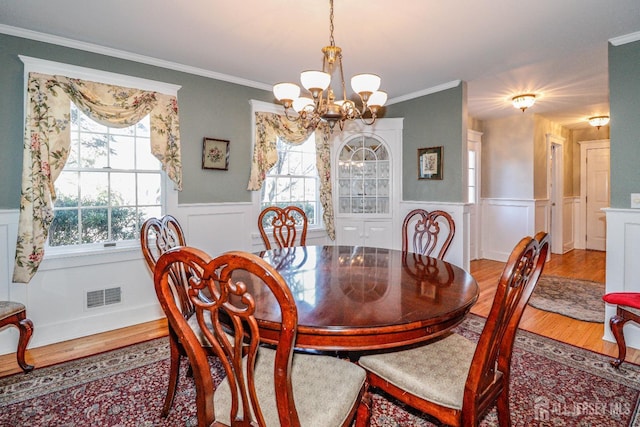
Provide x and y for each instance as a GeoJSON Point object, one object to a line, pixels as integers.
{"type": "Point", "coordinates": [116, 53]}
{"type": "Point", "coordinates": [628, 38]}
{"type": "Point", "coordinates": [418, 94]}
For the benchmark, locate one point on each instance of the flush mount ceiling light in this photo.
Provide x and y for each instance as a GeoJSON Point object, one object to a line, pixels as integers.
{"type": "Point", "coordinates": [598, 121]}
{"type": "Point", "coordinates": [320, 104]}
{"type": "Point", "coordinates": [523, 101]}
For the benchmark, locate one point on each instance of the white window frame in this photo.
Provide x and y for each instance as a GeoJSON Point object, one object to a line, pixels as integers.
{"type": "Point", "coordinates": [58, 257]}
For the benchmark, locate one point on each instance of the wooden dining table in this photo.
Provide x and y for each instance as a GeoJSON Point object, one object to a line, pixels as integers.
{"type": "Point", "coordinates": [357, 298]}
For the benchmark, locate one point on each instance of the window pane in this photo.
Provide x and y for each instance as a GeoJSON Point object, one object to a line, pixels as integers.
{"type": "Point", "coordinates": [297, 190]}
{"type": "Point", "coordinates": [123, 189]}
{"type": "Point", "coordinates": [143, 128]}
{"type": "Point", "coordinates": [282, 191]}
{"type": "Point", "coordinates": [64, 228]}
{"type": "Point", "coordinates": [87, 124]}
{"type": "Point", "coordinates": [94, 188]}
{"type": "Point", "coordinates": [144, 159]}
{"type": "Point", "coordinates": [95, 225]}
{"type": "Point", "coordinates": [67, 189]}
{"type": "Point", "coordinates": [124, 223]}
{"type": "Point", "coordinates": [149, 212]}
{"type": "Point", "coordinates": [295, 162]}
{"type": "Point", "coordinates": [121, 152]}
{"type": "Point", "coordinates": [93, 150]}
{"type": "Point", "coordinates": [131, 130]}
{"type": "Point", "coordinates": [149, 189]}
{"type": "Point", "coordinates": [72, 160]}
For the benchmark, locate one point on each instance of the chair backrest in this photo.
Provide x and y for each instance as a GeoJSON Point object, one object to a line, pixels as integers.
{"type": "Point", "coordinates": [158, 235]}
{"type": "Point", "coordinates": [283, 223]}
{"type": "Point", "coordinates": [223, 281]}
{"type": "Point", "coordinates": [492, 358]}
{"type": "Point", "coordinates": [430, 233]}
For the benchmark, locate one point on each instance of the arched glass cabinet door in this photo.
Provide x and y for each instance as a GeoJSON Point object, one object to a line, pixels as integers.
{"type": "Point", "coordinates": [364, 177]}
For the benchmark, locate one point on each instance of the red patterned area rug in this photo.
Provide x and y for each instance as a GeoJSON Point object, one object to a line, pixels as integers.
{"type": "Point", "coordinates": [552, 384]}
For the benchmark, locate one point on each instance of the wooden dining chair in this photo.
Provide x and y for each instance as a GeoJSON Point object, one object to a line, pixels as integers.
{"type": "Point", "coordinates": [260, 382]}
{"type": "Point", "coordinates": [15, 313]}
{"type": "Point", "coordinates": [453, 379]}
{"type": "Point", "coordinates": [283, 224]}
{"type": "Point", "coordinates": [157, 236]}
{"type": "Point", "coordinates": [428, 233]}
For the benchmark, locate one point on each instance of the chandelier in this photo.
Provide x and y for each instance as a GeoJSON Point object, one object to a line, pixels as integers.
{"type": "Point", "coordinates": [523, 101]}
{"type": "Point", "coordinates": [598, 121]}
{"type": "Point", "coordinates": [320, 105]}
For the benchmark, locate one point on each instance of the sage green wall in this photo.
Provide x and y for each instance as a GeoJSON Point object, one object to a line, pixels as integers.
{"type": "Point", "coordinates": [438, 119]}
{"type": "Point", "coordinates": [624, 98]}
{"type": "Point", "coordinates": [208, 107]}
{"type": "Point", "coordinates": [508, 157]}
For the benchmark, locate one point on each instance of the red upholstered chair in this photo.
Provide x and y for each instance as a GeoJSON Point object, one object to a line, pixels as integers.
{"type": "Point", "coordinates": [628, 310]}
{"type": "Point", "coordinates": [14, 313]}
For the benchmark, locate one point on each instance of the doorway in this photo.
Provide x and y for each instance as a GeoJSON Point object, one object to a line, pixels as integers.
{"type": "Point", "coordinates": [555, 191]}
{"type": "Point", "coordinates": [594, 192]}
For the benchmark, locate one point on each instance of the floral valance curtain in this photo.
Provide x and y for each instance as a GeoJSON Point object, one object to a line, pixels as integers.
{"type": "Point", "coordinates": [47, 141]}
{"type": "Point", "coordinates": [270, 127]}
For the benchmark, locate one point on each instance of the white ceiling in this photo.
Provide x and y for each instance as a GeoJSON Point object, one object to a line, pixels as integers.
{"type": "Point", "coordinates": [554, 48]}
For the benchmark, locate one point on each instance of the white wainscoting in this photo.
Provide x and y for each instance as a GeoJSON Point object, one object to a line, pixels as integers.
{"type": "Point", "coordinates": [623, 268]}
{"type": "Point", "coordinates": [458, 253]}
{"type": "Point", "coordinates": [506, 221]}
{"type": "Point", "coordinates": [56, 296]}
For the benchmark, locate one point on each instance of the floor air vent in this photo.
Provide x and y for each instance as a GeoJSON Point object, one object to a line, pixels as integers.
{"type": "Point", "coordinates": [104, 297]}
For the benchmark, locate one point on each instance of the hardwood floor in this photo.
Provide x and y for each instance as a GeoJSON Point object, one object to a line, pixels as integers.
{"type": "Point", "coordinates": [589, 265]}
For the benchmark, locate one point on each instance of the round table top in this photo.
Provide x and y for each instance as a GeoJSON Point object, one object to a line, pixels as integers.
{"type": "Point", "coordinates": [363, 298]}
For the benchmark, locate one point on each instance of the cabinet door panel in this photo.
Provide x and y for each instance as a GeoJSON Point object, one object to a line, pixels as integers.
{"type": "Point", "coordinates": [378, 234]}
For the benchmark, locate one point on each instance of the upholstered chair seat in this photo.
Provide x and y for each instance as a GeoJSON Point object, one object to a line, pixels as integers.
{"type": "Point", "coordinates": [9, 308]}
{"type": "Point", "coordinates": [324, 389]}
{"type": "Point", "coordinates": [420, 370]}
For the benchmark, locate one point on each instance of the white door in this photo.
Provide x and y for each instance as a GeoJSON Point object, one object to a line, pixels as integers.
{"type": "Point", "coordinates": [597, 175]}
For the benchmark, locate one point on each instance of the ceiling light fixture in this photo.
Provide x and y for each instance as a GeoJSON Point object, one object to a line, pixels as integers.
{"type": "Point", "coordinates": [523, 101]}
{"type": "Point", "coordinates": [598, 121]}
{"type": "Point", "coordinates": [322, 105]}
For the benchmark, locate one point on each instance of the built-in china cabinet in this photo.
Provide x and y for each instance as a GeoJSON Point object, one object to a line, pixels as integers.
{"type": "Point", "coordinates": [367, 176]}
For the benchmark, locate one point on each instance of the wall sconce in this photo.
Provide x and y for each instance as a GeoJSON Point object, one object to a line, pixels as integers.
{"type": "Point", "coordinates": [523, 101]}
{"type": "Point", "coordinates": [598, 121]}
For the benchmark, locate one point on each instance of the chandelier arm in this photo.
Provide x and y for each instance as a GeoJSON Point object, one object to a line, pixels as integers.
{"type": "Point", "coordinates": [294, 118]}
{"type": "Point", "coordinates": [373, 120]}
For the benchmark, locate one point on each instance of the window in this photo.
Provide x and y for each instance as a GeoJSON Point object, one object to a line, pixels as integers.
{"type": "Point", "coordinates": [110, 184]}
{"type": "Point", "coordinates": [293, 180]}
{"type": "Point", "coordinates": [472, 196]}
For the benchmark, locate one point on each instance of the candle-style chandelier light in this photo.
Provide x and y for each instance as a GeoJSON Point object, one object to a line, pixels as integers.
{"type": "Point", "coordinates": [321, 105]}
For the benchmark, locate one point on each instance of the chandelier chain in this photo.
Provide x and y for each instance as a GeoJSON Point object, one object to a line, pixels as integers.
{"type": "Point", "coordinates": [332, 41]}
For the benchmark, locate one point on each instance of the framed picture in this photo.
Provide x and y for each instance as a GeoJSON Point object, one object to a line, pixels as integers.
{"type": "Point", "coordinates": [215, 154]}
{"type": "Point", "coordinates": [430, 163]}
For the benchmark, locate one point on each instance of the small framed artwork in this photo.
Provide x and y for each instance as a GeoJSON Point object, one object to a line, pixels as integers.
{"type": "Point", "coordinates": [215, 154]}
{"type": "Point", "coordinates": [430, 163]}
